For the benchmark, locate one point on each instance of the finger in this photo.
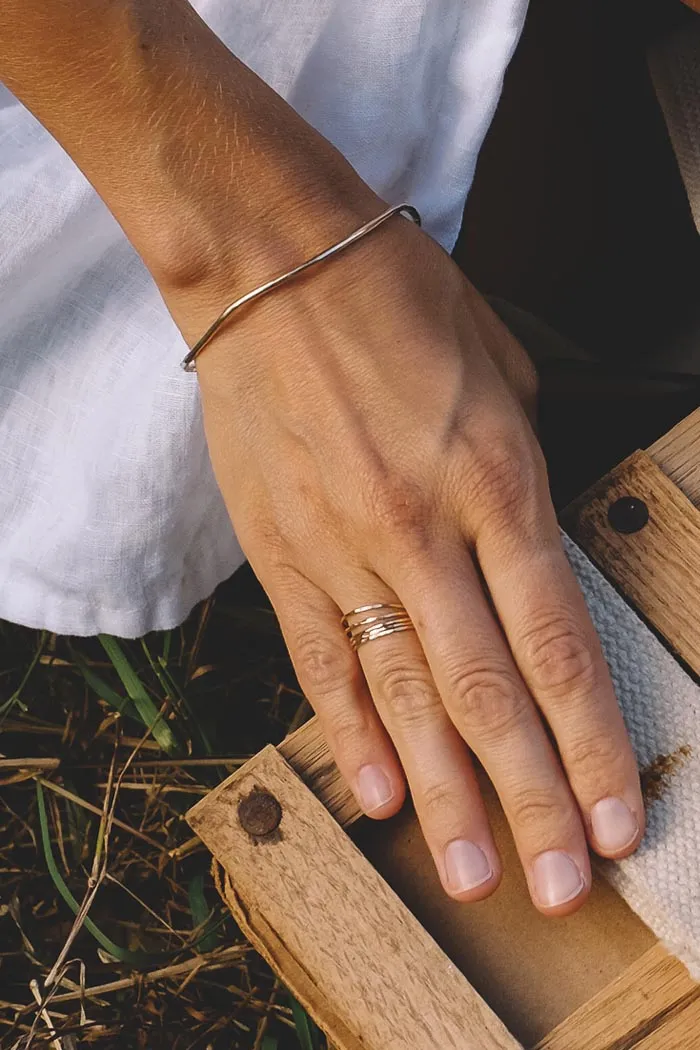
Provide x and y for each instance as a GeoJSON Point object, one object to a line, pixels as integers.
{"type": "Point", "coordinates": [331, 677]}
{"type": "Point", "coordinates": [556, 648]}
{"type": "Point", "coordinates": [436, 761]}
{"type": "Point", "coordinates": [489, 705]}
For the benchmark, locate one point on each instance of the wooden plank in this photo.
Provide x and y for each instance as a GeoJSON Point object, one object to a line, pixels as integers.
{"type": "Point", "coordinates": [654, 1004]}
{"type": "Point", "coordinates": [371, 974]}
{"type": "Point", "coordinates": [656, 568]}
{"type": "Point", "coordinates": [679, 1031]}
{"type": "Point", "coordinates": [655, 992]}
{"type": "Point", "coordinates": [677, 453]}
{"type": "Point", "coordinates": [307, 752]}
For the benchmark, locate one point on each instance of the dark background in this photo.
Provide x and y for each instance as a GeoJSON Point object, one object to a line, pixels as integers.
{"type": "Point", "coordinates": [578, 215]}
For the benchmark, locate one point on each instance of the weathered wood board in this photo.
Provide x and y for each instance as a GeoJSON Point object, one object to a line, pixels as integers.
{"type": "Point", "coordinates": [373, 976]}
{"type": "Point", "coordinates": [656, 568]}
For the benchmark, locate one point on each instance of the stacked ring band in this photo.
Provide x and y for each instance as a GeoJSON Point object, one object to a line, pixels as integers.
{"type": "Point", "coordinates": [368, 622]}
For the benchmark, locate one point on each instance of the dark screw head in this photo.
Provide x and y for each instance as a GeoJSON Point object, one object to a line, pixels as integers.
{"type": "Point", "coordinates": [628, 514]}
{"type": "Point", "coordinates": [259, 813]}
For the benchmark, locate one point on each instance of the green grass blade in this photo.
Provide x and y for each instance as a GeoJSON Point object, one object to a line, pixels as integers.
{"type": "Point", "coordinates": [148, 712]}
{"type": "Point", "coordinates": [16, 699]}
{"type": "Point", "coordinates": [105, 692]}
{"type": "Point", "coordinates": [172, 690]}
{"type": "Point", "coordinates": [200, 736]}
{"type": "Point", "coordinates": [79, 823]}
{"type": "Point", "coordinates": [137, 959]}
{"type": "Point", "coordinates": [171, 684]}
{"type": "Point", "coordinates": [303, 1023]}
{"type": "Point", "coordinates": [201, 915]}
{"type": "Point", "coordinates": [270, 1042]}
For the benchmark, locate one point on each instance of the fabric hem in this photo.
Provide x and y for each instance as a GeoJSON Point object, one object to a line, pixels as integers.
{"type": "Point", "coordinates": [78, 619]}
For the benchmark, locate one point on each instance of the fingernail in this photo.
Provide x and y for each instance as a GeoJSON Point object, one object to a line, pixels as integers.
{"type": "Point", "coordinates": [614, 825]}
{"type": "Point", "coordinates": [374, 788]}
{"type": "Point", "coordinates": [557, 878]}
{"type": "Point", "coordinates": [466, 866]}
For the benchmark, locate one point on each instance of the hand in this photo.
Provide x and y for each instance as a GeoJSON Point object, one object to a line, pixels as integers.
{"type": "Point", "coordinates": [367, 431]}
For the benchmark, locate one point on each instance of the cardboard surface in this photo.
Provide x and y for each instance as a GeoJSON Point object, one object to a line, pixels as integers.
{"type": "Point", "coordinates": [532, 971]}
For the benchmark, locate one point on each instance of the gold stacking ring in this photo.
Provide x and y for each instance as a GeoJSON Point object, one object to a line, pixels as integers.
{"type": "Point", "coordinates": [375, 621]}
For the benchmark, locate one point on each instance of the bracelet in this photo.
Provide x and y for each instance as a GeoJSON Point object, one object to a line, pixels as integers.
{"type": "Point", "coordinates": [189, 363]}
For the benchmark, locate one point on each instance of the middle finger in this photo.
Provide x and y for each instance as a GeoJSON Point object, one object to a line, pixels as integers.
{"type": "Point", "coordinates": [435, 760]}
{"type": "Point", "coordinates": [493, 711]}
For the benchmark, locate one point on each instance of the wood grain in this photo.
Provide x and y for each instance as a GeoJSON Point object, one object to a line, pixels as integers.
{"type": "Point", "coordinates": [657, 568]}
{"type": "Point", "coordinates": [372, 976]}
{"type": "Point", "coordinates": [644, 1001]}
{"type": "Point", "coordinates": [677, 453]}
{"type": "Point", "coordinates": [308, 755]}
{"type": "Point", "coordinates": [679, 1031]}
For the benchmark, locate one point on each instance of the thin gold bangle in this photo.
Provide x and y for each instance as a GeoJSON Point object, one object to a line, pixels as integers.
{"type": "Point", "coordinates": [189, 363]}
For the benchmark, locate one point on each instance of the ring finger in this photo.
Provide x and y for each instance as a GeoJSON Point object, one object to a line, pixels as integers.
{"type": "Point", "coordinates": [435, 759]}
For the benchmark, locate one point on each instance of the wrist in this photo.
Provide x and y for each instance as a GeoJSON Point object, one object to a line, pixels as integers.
{"type": "Point", "coordinates": [296, 320]}
{"type": "Point", "coordinates": [227, 248]}
{"type": "Point", "coordinates": [223, 248]}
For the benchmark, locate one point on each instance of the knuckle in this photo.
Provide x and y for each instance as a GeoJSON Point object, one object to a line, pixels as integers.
{"type": "Point", "coordinates": [347, 732]}
{"type": "Point", "coordinates": [529, 379]}
{"type": "Point", "coordinates": [261, 538]}
{"type": "Point", "coordinates": [400, 509]}
{"type": "Point", "coordinates": [538, 813]}
{"type": "Point", "coordinates": [503, 474]}
{"type": "Point", "coordinates": [560, 658]}
{"type": "Point", "coordinates": [323, 665]}
{"type": "Point", "coordinates": [488, 702]}
{"type": "Point", "coordinates": [438, 801]}
{"type": "Point", "coordinates": [409, 694]}
{"type": "Point", "coordinates": [595, 757]}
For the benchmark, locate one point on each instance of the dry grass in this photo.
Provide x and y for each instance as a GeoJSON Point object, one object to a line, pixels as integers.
{"type": "Point", "coordinates": [111, 931]}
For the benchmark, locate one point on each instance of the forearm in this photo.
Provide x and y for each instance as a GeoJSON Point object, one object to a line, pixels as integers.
{"type": "Point", "coordinates": [180, 139]}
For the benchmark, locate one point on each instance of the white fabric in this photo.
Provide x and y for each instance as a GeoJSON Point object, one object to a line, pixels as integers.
{"type": "Point", "coordinates": [661, 705]}
{"type": "Point", "coordinates": [109, 516]}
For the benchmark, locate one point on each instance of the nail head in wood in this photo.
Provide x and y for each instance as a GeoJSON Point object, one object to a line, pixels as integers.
{"type": "Point", "coordinates": [628, 514]}
{"type": "Point", "coordinates": [260, 813]}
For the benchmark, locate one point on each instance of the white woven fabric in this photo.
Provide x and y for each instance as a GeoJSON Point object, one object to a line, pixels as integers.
{"type": "Point", "coordinates": [675, 66]}
{"type": "Point", "coordinates": [110, 519]}
{"type": "Point", "coordinates": [661, 704]}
